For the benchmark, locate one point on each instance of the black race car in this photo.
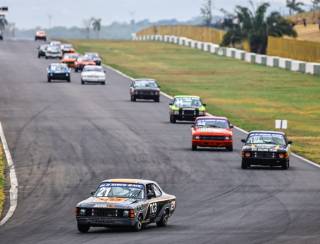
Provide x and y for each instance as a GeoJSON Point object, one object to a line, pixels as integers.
{"type": "Point", "coordinates": [125, 203]}
{"type": "Point", "coordinates": [42, 50]}
{"type": "Point", "coordinates": [58, 71]}
{"type": "Point", "coordinates": [266, 148]}
{"type": "Point", "coordinates": [94, 57]}
{"type": "Point", "coordinates": [144, 89]}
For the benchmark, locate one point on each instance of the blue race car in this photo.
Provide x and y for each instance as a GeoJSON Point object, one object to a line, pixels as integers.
{"type": "Point", "coordinates": [58, 71]}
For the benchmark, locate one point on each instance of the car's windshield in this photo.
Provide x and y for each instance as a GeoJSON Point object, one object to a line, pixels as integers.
{"type": "Point", "coordinates": [70, 56]}
{"type": "Point", "coordinates": [67, 46]}
{"type": "Point", "coordinates": [92, 55]}
{"type": "Point", "coordinates": [93, 69]}
{"type": "Point", "coordinates": [121, 190]}
{"type": "Point", "coordinates": [145, 84]}
{"type": "Point", "coordinates": [187, 102]}
{"type": "Point", "coordinates": [266, 138]}
{"type": "Point", "coordinates": [54, 49]}
{"type": "Point", "coordinates": [58, 68]}
{"type": "Point", "coordinates": [212, 123]}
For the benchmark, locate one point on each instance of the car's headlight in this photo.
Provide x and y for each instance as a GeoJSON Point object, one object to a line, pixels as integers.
{"type": "Point", "coordinates": [82, 211]}
{"type": "Point", "coordinates": [67, 74]}
{"type": "Point", "coordinates": [228, 138]}
{"type": "Point", "coordinates": [125, 213]}
{"type": "Point", "coordinates": [196, 137]}
{"type": "Point", "coordinates": [176, 112]}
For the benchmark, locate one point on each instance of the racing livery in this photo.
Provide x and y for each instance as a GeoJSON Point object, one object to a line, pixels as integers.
{"type": "Point", "coordinates": [67, 48]}
{"type": "Point", "coordinates": [144, 89]}
{"type": "Point", "coordinates": [266, 148]}
{"type": "Point", "coordinates": [42, 50]}
{"type": "Point", "coordinates": [94, 57]}
{"type": "Point", "coordinates": [125, 202]}
{"type": "Point", "coordinates": [212, 131]}
{"type": "Point", "coordinates": [186, 108]}
{"type": "Point", "coordinates": [81, 62]}
{"type": "Point", "coordinates": [58, 71]}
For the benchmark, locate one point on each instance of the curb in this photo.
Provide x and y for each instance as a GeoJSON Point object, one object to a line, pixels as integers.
{"type": "Point", "coordinates": [13, 179]}
{"type": "Point", "coordinates": [237, 128]}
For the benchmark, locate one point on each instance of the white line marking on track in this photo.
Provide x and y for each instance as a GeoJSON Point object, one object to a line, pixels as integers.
{"type": "Point", "coordinates": [13, 179]}
{"type": "Point", "coordinates": [237, 128]}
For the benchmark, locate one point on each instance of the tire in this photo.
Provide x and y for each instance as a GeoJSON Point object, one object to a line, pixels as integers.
{"type": "Point", "coordinates": [138, 226]}
{"type": "Point", "coordinates": [83, 228]}
{"type": "Point", "coordinates": [285, 165]}
{"type": "Point", "coordinates": [82, 82]}
{"type": "Point", "coordinates": [49, 80]}
{"type": "Point", "coordinates": [172, 119]}
{"type": "Point", "coordinates": [164, 220]}
{"type": "Point", "coordinates": [230, 149]}
{"type": "Point", "coordinates": [244, 165]}
{"type": "Point", "coordinates": [133, 98]}
{"type": "Point", "coordinates": [194, 147]}
{"type": "Point", "coordinates": [157, 99]}
{"type": "Point", "coordinates": [69, 80]}
{"type": "Point", "coordinates": [46, 57]}
{"type": "Point", "coordinates": [103, 83]}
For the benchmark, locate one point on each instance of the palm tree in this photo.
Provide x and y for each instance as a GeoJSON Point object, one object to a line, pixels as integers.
{"type": "Point", "coordinates": [255, 27]}
{"type": "Point", "coordinates": [206, 12]}
{"type": "Point", "coordinates": [294, 6]}
{"type": "Point", "coordinates": [96, 25]}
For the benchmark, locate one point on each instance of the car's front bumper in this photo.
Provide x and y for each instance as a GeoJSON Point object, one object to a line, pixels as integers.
{"type": "Point", "coordinates": [212, 143]}
{"type": "Point", "coordinates": [59, 76]}
{"type": "Point", "coordinates": [106, 221]}
{"type": "Point", "coordinates": [93, 80]}
{"type": "Point", "coordinates": [53, 55]}
{"type": "Point", "coordinates": [266, 161]}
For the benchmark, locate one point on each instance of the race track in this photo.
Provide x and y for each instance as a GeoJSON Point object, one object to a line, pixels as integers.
{"type": "Point", "coordinates": [66, 138]}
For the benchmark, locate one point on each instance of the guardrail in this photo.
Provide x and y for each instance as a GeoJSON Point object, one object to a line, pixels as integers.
{"type": "Point", "coordinates": [270, 61]}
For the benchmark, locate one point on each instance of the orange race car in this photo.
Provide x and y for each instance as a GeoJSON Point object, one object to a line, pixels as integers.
{"type": "Point", "coordinates": [81, 62]}
{"type": "Point", "coordinates": [40, 35]}
{"type": "Point", "coordinates": [70, 59]}
{"type": "Point", "coordinates": [212, 131]}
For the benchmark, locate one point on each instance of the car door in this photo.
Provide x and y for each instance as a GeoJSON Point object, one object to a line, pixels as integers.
{"type": "Point", "coordinates": [156, 202]}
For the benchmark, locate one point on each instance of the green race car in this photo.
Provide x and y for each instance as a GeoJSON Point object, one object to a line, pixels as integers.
{"type": "Point", "coordinates": [186, 108]}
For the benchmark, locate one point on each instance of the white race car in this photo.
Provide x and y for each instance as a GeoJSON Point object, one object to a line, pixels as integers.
{"type": "Point", "coordinates": [93, 74]}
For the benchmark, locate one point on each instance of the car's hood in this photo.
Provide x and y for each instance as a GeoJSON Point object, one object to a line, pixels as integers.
{"type": "Point", "coordinates": [92, 73]}
{"type": "Point", "coordinates": [68, 60]}
{"type": "Point", "coordinates": [212, 131]}
{"type": "Point", "coordinates": [146, 89]}
{"type": "Point", "coordinates": [265, 147]}
{"type": "Point", "coordinates": [108, 202]}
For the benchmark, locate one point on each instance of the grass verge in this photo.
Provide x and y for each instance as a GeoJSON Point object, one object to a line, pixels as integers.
{"type": "Point", "coordinates": [2, 178]}
{"type": "Point", "coordinates": [252, 96]}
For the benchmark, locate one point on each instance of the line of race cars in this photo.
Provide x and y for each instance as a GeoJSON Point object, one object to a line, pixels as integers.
{"type": "Point", "coordinates": [137, 203]}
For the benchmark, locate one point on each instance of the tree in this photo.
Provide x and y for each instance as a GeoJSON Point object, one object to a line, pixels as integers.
{"type": "Point", "coordinates": [295, 6]}
{"type": "Point", "coordinates": [255, 27]}
{"type": "Point", "coordinates": [315, 4]}
{"type": "Point", "coordinates": [3, 23]}
{"type": "Point", "coordinates": [87, 25]}
{"type": "Point", "coordinates": [96, 25]}
{"type": "Point", "coordinates": [206, 12]}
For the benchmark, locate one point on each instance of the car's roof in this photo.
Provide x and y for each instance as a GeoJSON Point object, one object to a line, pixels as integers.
{"type": "Point", "coordinates": [212, 117]}
{"type": "Point", "coordinates": [144, 79]}
{"type": "Point", "coordinates": [182, 96]}
{"type": "Point", "coordinates": [266, 131]}
{"type": "Point", "coordinates": [129, 181]}
{"type": "Point", "coordinates": [58, 64]}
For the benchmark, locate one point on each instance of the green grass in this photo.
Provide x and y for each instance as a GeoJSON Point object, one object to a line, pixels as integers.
{"type": "Point", "coordinates": [252, 96]}
{"type": "Point", "coordinates": [2, 178]}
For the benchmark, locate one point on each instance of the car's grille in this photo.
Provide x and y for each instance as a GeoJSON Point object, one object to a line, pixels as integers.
{"type": "Point", "coordinates": [212, 138]}
{"type": "Point", "coordinates": [103, 212]}
{"type": "Point", "coordinates": [146, 92]}
{"type": "Point", "coordinates": [189, 112]}
{"type": "Point", "coordinates": [264, 155]}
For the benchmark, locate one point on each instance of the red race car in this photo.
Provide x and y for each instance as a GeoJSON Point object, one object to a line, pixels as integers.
{"type": "Point", "coordinates": [40, 35]}
{"type": "Point", "coordinates": [212, 131]}
{"type": "Point", "coordinates": [81, 62]}
{"type": "Point", "coordinates": [70, 59]}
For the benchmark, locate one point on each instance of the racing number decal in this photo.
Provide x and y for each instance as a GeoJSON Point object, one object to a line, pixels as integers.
{"type": "Point", "coordinates": [153, 208]}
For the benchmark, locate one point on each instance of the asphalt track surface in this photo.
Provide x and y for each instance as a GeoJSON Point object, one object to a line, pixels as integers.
{"type": "Point", "coordinates": [66, 138]}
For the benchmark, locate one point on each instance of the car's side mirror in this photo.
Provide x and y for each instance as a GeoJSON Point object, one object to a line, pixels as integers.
{"type": "Point", "coordinates": [231, 126]}
{"type": "Point", "coordinates": [192, 126]}
{"type": "Point", "coordinates": [204, 104]}
{"type": "Point", "coordinates": [290, 142]}
{"type": "Point", "coordinates": [171, 103]}
{"type": "Point", "coordinates": [92, 193]}
{"type": "Point", "coordinates": [243, 140]}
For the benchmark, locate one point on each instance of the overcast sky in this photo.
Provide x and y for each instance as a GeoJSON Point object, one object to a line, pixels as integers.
{"type": "Point", "coordinates": [32, 13]}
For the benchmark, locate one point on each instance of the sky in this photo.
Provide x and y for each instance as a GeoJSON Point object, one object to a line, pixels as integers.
{"type": "Point", "coordinates": [46, 13]}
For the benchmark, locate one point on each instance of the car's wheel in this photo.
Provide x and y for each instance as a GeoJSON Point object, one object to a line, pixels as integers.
{"type": "Point", "coordinates": [157, 99]}
{"type": "Point", "coordinates": [46, 57]}
{"type": "Point", "coordinates": [49, 80]}
{"type": "Point", "coordinates": [285, 165]}
{"type": "Point", "coordinates": [103, 83]}
{"type": "Point", "coordinates": [194, 147]}
{"type": "Point", "coordinates": [164, 220]}
{"type": "Point", "coordinates": [82, 82]}
{"type": "Point", "coordinates": [172, 119]}
{"type": "Point", "coordinates": [230, 148]}
{"type": "Point", "coordinates": [69, 80]}
{"type": "Point", "coordinates": [83, 228]}
{"type": "Point", "coordinates": [138, 226]}
{"type": "Point", "coordinates": [244, 165]}
{"type": "Point", "coordinates": [133, 98]}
